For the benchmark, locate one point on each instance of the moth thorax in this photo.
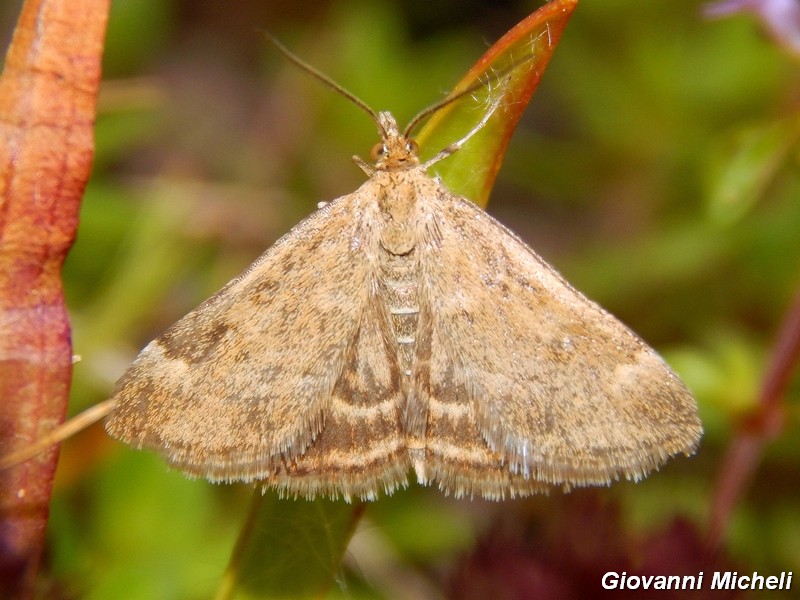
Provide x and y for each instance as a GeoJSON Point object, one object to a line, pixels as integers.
{"type": "Point", "coordinates": [400, 287]}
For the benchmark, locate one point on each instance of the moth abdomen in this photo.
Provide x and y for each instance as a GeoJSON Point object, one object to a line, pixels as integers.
{"type": "Point", "coordinates": [400, 291]}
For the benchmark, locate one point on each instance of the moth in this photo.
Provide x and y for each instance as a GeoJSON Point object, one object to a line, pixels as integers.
{"type": "Point", "coordinates": [401, 329]}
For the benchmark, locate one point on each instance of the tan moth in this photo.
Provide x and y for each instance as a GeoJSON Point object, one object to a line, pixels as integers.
{"type": "Point", "coordinates": [402, 329]}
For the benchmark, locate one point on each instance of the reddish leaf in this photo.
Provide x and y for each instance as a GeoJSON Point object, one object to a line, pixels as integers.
{"type": "Point", "coordinates": [48, 92]}
{"type": "Point", "coordinates": [511, 69]}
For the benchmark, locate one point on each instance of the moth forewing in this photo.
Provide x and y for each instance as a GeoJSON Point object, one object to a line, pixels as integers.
{"type": "Point", "coordinates": [563, 391]}
{"type": "Point", "coordinates": [242, 383]}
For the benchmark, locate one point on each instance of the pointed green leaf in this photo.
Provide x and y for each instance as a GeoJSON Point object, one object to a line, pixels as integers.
{"type": "Point", "coordinates": [510, 70]}
{"type": "Point", "coordinates": [289, 548]}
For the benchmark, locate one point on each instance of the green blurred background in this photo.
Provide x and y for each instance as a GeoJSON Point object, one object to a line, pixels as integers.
{"type": "Point", "coordinates": [656, 167]}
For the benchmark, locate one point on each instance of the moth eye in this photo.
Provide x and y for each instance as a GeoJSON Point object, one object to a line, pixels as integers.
{"type": "Point", "coordinates": [412, 146]}
{"type": "Point", "coordinates": [378, 151]}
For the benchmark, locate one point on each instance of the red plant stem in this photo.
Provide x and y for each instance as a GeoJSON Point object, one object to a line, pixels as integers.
{"type": "Point", "coordinates": [744, 453]}
{"type": "Point", "coordinates": [48, 93]}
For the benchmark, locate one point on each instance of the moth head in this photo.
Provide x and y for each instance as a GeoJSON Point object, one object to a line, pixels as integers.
{"type": "Point", "coordinates": [395, 151]}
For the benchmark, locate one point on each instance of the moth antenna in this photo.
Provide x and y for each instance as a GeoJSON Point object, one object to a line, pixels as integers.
{"type": "Point", "coordinates": [320, 76]}
{"type": "Point", "coordinates": [457, 145]}
{"type": "Point", "coordinates": [455, 96]}
{"type": "Point", "coordinates": [67, 429]}
{"type": "Point", "coordinates": [449, 99]}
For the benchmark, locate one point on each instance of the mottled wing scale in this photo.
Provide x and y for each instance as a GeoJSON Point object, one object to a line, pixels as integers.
{"type": "Point", "coordinates": [401, 327]}
{"type": "Point", "coordinates": [361, 449]}
{"type": "Point", "coordinates": [560, 391]}
{"type": "Point", "coordinates": [458, 458]}
{"type": "Point", "coordinates": [241, 386]}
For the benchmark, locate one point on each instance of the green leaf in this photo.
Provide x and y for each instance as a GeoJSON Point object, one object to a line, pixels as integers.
{"type": "Point", "coordinates": [289, 548]}
{"type": "Point", "coordinates": [510, 70]}
{"type": "Point", "coordinates": [747, 167]}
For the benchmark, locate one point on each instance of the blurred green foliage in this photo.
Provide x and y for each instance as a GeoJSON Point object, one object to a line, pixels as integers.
{"type": "Point", "coordinates": [657, 168]}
